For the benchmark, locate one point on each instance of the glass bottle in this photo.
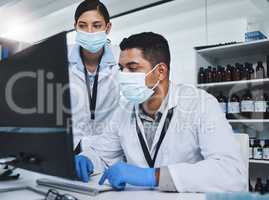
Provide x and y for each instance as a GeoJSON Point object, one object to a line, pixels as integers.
{"type": "Point", "coordinates": [247, 104]}
{"type": "Point", "coordinates": [223, 102]}
{"type": "Point", "coordinates": [228, 72]}
{"type": "Point", "coordinates": [233, 106]}
{"type": "Point", "coordinates": [260, 72]}
{"type": "Point", "coordinates": [236, 73]}
{"type": "Point", "coordinates": [251, 149]}
{"type": "Point", "coordinates": [257, 150]}
{"type": "Point", "coordinates": [201, 75]}
{"type": "Point", "coordinates": [219, 74]}
{"type": "Point", "coordinates": [265, 155]}
{"type": "Point", "coordinates": [261, 101]}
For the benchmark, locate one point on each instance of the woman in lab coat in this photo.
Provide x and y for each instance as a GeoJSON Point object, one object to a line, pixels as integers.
{"type": "Point", "coordinates": [174, 137]}
{"type": "Point", "coordinates": [93, 69]}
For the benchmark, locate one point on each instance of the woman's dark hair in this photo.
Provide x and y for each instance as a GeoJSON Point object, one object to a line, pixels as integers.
{"type": "Point", "coordinates": [89, 5]}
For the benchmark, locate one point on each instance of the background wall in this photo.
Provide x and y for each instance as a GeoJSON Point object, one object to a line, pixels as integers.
{"type": "Point", "coordinates": [182, 22]}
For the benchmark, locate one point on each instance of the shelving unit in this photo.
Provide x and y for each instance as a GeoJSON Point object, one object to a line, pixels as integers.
{"type": "Point", "coordinates": [248, 120]}
{"type": "Point", "coordinates": [228, 83]}
{"type": "Point", "coordinates": [255, 125]}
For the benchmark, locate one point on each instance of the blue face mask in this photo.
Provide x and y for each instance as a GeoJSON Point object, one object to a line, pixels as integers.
{"type": "Point", "coordinates": [133, 86]}
{"type": "Point", "coordinates": [92, 42]}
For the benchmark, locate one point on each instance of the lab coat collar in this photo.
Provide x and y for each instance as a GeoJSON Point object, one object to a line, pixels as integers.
{"type": "Point", "coordinates": [107, 59]}
{"type": "Point", "coordinates": [106, 64]}
{"type": "Point", "coordinates": [173, 95]}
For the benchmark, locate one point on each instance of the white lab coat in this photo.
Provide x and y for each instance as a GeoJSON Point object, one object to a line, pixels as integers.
{"type": "Point", "coordinates": [199, 148]}
{"type": "Point", "coordinates": [107, 95]}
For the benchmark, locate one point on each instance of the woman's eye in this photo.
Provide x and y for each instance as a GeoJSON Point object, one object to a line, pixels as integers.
{"type": "Point", "coordinates": [97, 26]}
{"type": "Point", "coordinates": [81, 26]}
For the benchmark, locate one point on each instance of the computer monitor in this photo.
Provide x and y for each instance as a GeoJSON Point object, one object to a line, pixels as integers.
{"type": "Point", "coordinates": [35, 117]}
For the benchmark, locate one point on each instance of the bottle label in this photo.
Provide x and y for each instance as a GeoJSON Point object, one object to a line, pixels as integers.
{"type": "Point", "coordinates": [260, 106]}
{"type": "Point", "coordinates": [250, 153]}
{"type": "Point", "coordinates": [233, 107]}
{"type": "Point", "coordinates": [257, 153]}
{"type": "Point", "coordinates": [266, 153]}
{"type": "Point", "coordinates": [259, 74]}
{"type": "Point", "coordinates": [223, 107]}
{"type": "Point", "coordinates": [247, 106]}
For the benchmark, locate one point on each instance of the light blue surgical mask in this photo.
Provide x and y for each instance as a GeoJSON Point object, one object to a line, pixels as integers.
{"type": "Point", "coordinates": [133, 86]}
{"type": "Point", "coordinates": [92, 42]}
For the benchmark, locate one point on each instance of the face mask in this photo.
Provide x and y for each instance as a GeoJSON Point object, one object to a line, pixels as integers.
{"type": "Point", "coordinates": [92, 42]}
{"type": "Point", "coordinates": [133, 86]}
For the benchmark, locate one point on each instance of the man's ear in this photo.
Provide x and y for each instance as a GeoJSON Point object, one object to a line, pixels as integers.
{"type": "Point", "coordinates": [163, 71]}
{"type": "Point", "coordinates": [108, 27]}
{"type": "Point", "coordinates": [75, 25]}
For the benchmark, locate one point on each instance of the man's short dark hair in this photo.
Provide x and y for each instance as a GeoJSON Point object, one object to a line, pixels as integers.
{"type": "Point", "coordinates": [154, 46]}
{"type": "Point", "coordinates": [89, 5]}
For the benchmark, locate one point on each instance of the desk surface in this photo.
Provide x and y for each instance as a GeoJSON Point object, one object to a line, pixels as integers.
{"type": "Point", "coordinates": [29, 179]}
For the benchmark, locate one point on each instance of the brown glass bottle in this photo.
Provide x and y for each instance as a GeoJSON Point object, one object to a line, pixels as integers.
{"type": "Point", "coordinates": [209, 74]}
{"type": "Point", "coordinates": [201, 75]}
{"type": "Point", "coordinates": [251, 72]}
{"type": "Point", "coordinates": [258, 185]}
{"type": "Point", "coordinates": [228, 73]}
{"type": "Point", "coordinates": [219, 74]}
{"type": "Point", "coordinates": [236, 73]}
{"type": "Point", "coordinates": [244, 71]}
{"type": "Point", "coordinates": [260, 72]}
{"type": "Point", "coordinates": [214, 75]}
{"type": "Point", "coordinates": [223, 102]}
{"type": "Point", "coordinates": [266, 187]}
{"type": "Point", "coordinates": [223, 74]}
{"type": "Point", "coordinates": [261, 101]}
{"type": "Point", "coordinates": [265, 155]}
{"type": "Point", "coordinates": [233, 107]}
{"type": "Point", "coordinates": [247, 104]}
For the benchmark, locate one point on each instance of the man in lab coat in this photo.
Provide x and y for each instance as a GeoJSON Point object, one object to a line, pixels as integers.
{"type": "Point", "coordinates": [174, 137]}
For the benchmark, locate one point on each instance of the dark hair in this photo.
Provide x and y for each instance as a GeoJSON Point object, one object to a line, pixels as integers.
{"type": "Point", "coordinates": [154, 46]}
{"type": "Point", "coordinates": [89, 5]}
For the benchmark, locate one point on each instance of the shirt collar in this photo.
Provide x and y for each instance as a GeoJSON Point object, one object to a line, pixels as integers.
{"type": "Point", "coordinates": [107, 59]}
{"type": "Point", "coordinates": [143, 115]}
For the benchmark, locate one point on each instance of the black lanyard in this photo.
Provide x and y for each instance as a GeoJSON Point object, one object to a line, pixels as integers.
{"type": "Point", "coordinates": [93, 97]}
{"type": "Point", "coordinates": [150, 161]}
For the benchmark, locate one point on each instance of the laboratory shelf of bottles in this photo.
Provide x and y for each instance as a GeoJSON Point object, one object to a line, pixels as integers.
{"type": "Point", "coordinates": [238, 76]}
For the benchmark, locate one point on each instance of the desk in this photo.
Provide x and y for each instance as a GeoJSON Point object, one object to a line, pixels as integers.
{"type": "Point", "coordinates": [29, 179]}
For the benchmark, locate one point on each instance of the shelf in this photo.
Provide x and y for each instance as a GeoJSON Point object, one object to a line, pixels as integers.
{"type": "Point", "coordinates": [259, 161]}
{"type": "Point", "coordinates": [266, 80]}
{"type": "Point", "coordinates": [236, 50]}
{"type": "Point", "coordinates": [248, 120]}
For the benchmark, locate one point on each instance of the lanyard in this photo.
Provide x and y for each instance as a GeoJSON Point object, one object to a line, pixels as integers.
{"type": "Point", "coordinates": [93, 97]}
{"type": "Point", "coordinates": [150, 161]}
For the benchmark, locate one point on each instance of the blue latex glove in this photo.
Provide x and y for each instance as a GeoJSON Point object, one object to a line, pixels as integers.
{"type": "Point", "coordinates": [84, 168]}
{"type": "Point", "coordinates": [121, 174]}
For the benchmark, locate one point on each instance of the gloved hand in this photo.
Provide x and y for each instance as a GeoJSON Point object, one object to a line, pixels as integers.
{"type": "Point", "coordinates": [121, 174]}
{"type": "Point", "coordinates": [84, 168]}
